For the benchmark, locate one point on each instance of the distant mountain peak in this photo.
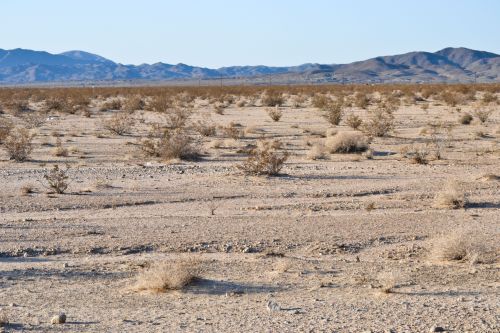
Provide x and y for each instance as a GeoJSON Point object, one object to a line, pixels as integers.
{"type": "Point", "coordinates": [450, 64]}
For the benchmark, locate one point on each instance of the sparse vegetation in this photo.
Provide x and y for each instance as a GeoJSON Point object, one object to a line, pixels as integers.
{"type": "Point", "coordinates": [274, 113]}
{"type": "Point", "coordinates": [18, 144]}
{"type": "Point", "coordinates": [57, 179]}
{"type": "Point", "coordinates": [264, 160]}
{"type": "Point", "coordinates": [120, 123]}
{"type": "Point", "coordinates": [166, 276]}
{"type": "Point", "coordinates": [451, 197]}
{"type": "Point", "coordinates": [172, 144]}
{"type": "Point", "coordinates": [465, 119]}
{"type": "Point", "coordinates": [347, 142]}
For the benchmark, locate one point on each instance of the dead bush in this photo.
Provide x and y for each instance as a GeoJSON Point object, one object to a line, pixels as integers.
{"type": "Point", "coordinates": [160, 103]}
{"type": "Point", "coordinates": [347, 142]}
{"type": "Point", "coordinates": [361, 100]}
{"type": "Point", "coordinates": [205, 128]}
{"type": "Point", "coordinates": [298, 101]}
{"type": "Point", "coordinates": [16, 107]}
{"type": "Point", "coordinates": [264, 160]}
{"type": "Point", "coordinates": [177, 117]}
{"type": "Point", "coordinates": [317, 152]}
{"type": "Point", "coordinates": [120, 123]}
{"type": "Point", "coordinates": [464, 245]}
{"type": "Point", "coordinates": [233, 131]}
{"type": "Point", "coordinates": [172, 144]}
{"type": "Point", "coordinates": [274, 113]}
{"type": "Point", "coordinates": [272, 98]}
{"type": "Point", "coordinates": [353, 121]}
{"type": "Point", "coordinates": [110, 105]}
{"type": "Point", "coordinates": [59, 150]}
{"type": "Point", "coordinates": [483, 115]}
{"type": "Point", "coordinates": [5, 127]}
{"type": "Point", "coordinates": [417, 154]}
{"type": "Point", "coordinates": [451, 197]}
{"type": "Point", "coordinates": [57, 179]}
{"type": "Point", "coordinates": [489, 97]}
{"type": "Point", "coordinates": [167, 276]}
{"type": "Point", "coordinates": [320, 101]}
{"type": "Point", "coordinates": [18, 144]}
{"type": "Point", "coordinates": [134, 103]}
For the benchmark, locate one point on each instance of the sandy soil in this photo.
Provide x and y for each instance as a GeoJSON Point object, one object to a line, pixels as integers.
{"type": "Point", "coordinates": [304, 240]}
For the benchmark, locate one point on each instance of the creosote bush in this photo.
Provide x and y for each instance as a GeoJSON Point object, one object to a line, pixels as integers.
{"type": "Point", "coordinates": [6, 127]}
{"type": "Point", "coordinates": [380, 124]}
{"type": "Point", "coordinates": [483, 115]}
{"type": "Point", "coordinates": [333, 112]}
{"type": "Point", "coordinates": [347, 142]}
{"type": "Point", "coordinates": [18, 144]}
{"type": "Point", "coordinates": [264, 160]}
{"type": "Point", "coordinates": [57, 179]}
{"type": "Point", "coordinates": [465, 245]}
{"type": "Point", "coordinates": [272, 98]}
{"type": "Point", "coordinates": [120, 123]}
{"type": "Point", "coordinates": [172, 144]}
{"type": "Point", "coordinates": [353, 121]}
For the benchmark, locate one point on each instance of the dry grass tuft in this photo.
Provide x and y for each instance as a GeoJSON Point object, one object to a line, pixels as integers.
{"type": "Point", "coordinates": [347, 142]}
{"type": "Point", "coordinates": [465, 245]}
{"type": "Point", "coordinates": [317, 152]}
{"type": "Point", "coordinates": [274, 113]}
{"type": "Point", "coordinates": [388, 281]}
{"type": "Point", "coordinates": [167, 276]}
{"type": "Point", "coordinates": [451, 197]}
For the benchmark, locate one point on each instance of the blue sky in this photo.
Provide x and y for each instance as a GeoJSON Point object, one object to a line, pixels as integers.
{"type": "Point", "coordinates": [216, 33]}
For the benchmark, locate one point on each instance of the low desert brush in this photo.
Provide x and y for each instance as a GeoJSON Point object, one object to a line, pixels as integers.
{"type": "Point", "coordinates": [167, 276]}
{"type": "Point", "coordinates": [333, 113]}
{"type": "Point", "coordinates": [6, 127]}
{"type": "Point", "coordinates": [451, 197]}
{"type": "Point", "coordinates": [264, 160]}
{"type": "Point", "coordinates": [317, 152]}
{"type": "Point", "coordinates": [173, 144]}
{"type": "Point", "coordinates": [57, 179]}
{"type": "Point", "coordinates": [134, 103]}
{"type": "Point", "coordinates": [112, 104]}
{"type": "Point", "coordinates": [353, 121]}
{"type": "Point", "coordinates": [233, 131]}
{"type": "Point", "coordinates": [177, 118]}
{"type": "Point", "coordinates": [465, 245]}
{"type": "Point", "coordinates": [205, 128]}
{"type": "Point", "coordinates": [120, 123]}
{"type": "Point", "coordinates": [416, 153]}
{"type": "Point", "coordinates": [272, 98]}
{"type": "Point", "coordinates": [19, 144]}
{"type": "Point", "coordinates": [347, 142]}
{"type": "Point", "coordinates": [59, 150]}
{"type": "Point", "coordinates": [274, 113]}
{"type": "Point", "coordinates": [380, 124]}
{"type": "Point", "coordinates": [483, 115]}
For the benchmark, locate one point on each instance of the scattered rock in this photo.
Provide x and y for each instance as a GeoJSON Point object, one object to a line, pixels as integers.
{"type": "Point", "coordinates": [59, 319]}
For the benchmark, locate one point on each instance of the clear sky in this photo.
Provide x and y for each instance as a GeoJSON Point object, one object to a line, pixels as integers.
{"type": "Point", "coordinates": [216, 33]}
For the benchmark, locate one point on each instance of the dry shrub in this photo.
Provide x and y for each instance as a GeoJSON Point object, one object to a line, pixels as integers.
{"type": "Point", "coordinates": [451, 197]}
{"type": "Point", "coordinates": [272, 98]}
{"type": "Point", "coordinates": [57, 179]}
{"type": "Point", "coordinates": [34, 119]}
{"type": "Point", "coordinates": [167, 276]}
{"type": "Point", "coordinates": [465, 245]}
{"type": "Point", "coordinates": [112, 104]}
{"type": "Point", "coordinates": [59, 150]}
{"type": "Point", "coordinates": [172, 144]}
{"type": "Point", "coordinates": [361, 100]}
{"type": "Point", "coordinates": [347, 142]}
{"type": "Point", "coordinates": [134, 103]}
{"type": "Point", "coordinates": [353, 121]}
{"type": "Point", "coordinates": [4, 319]}
{"type": "Point", "coordinates": [6, 127]}
{"type": "Point", "coordinates": [160, 103]}
{"type": "Point", "coordinates": [27, 189]}
{"type": "Point", "coordinates": [389, 280]}
{"type": "Point", "coordinates": [120, 123]}
{"type": "Point", "coordinates": [317, 152]}
{"type": "Point", "coordinates": [56, 104]}
{"type": "Point", "coordinates": [465, 119]}
{"type": "Point", "coordinates": [334, 113]}
{"type": "Point", "coordinates": [177, 117]}
{"type": "Point", "coordinates": [264, 160]}
{"type": "Point", "coordinates": [16, 107]}
{"type": "Point", "coordinates": [298, 101]}
{"type": "Point", "coordinates": [205, 128]}
{"type": "Point", "coordinates": [320, 101]}
{"type": "Point", "coordinates": [233, 131]}
{"type": "Point", "coordinates": [380, 124]}
{"type": "Point", "coordinates": [274, 113]}
{"type": "Point", "coordinates": [488, 98]}
{"type": "Point", "coordinates": [451, 98]}
{"type": "Point", "coordinates": [18, 144]}
{"type": "Point", "coordinates": [416, 153]}
{"type": "Point", "coordinates": [483, 115]}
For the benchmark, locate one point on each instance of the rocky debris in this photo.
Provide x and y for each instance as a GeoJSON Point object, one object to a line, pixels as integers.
{"type": "Point", "coordinates": [58, 319]}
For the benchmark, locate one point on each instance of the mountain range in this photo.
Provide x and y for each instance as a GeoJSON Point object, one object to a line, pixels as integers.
{"type": "Point", "coordinates": [21, 66]}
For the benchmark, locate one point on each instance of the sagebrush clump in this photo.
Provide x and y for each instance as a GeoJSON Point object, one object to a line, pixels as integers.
{"type": "Point", "coordinates": [264, 160]}
{"type": "Point", "coordinates": [347, 142]}
{"type": "Point", "coordinates": [167, 276]}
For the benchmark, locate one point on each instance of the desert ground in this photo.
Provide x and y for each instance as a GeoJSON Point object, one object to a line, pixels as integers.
{"type": "Point", "coordinates": [401, 235]}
